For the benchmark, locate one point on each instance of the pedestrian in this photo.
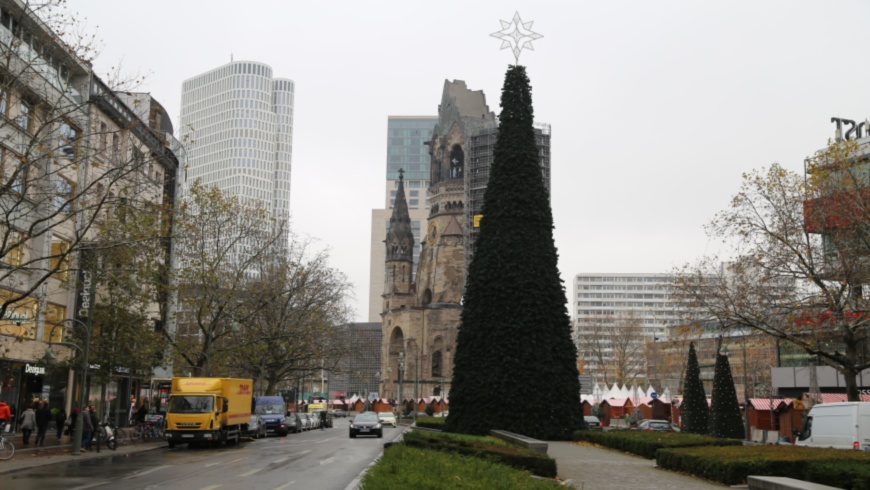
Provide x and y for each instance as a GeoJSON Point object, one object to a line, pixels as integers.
{"type": "Point", "coordinates": [27, 423]}
{"type": "Point", "coordinates": [60, 422]}
{"type": "Point", "coordinates": [95, 421]}
{"type": "Point", "coordinates": [87, 428]}
{"type": "Point", "coordinates": [5, 416]}
{"type": "Point", "coordinates": [322, 419]}
{"type": "Point", "coordinates": [43, 417]}
{"type": "Point", "coordinates": [141, 414]}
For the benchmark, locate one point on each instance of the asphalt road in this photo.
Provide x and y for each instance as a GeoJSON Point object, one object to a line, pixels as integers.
{"type": "Point", "coordinates": [319, 459]}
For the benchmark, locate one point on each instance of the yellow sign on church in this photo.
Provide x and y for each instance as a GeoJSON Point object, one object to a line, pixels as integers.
{"type": "Point", "coordinates": [477, 218]}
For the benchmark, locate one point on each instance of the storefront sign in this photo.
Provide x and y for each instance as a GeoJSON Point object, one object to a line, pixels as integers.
{"type": "Point", "coordinates": [855, 131]}
{"type": "Point", "coordinates": [28, 369]}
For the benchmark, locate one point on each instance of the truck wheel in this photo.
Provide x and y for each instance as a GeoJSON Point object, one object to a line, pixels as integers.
{"type": "Point", "coordinates": [171, 444]}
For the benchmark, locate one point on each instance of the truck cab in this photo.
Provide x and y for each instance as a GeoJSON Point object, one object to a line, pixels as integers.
{"type": "Point", "coordinates": [210, 410]}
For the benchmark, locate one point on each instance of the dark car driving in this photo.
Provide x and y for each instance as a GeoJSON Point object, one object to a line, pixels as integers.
{"type": "Point", "coordinates": [366, 424]}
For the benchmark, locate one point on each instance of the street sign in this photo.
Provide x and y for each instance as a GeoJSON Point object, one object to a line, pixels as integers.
{"type": "Point", "coordinates": [373, 397]}
{"type": "Point", "coordinates": [653, 395]}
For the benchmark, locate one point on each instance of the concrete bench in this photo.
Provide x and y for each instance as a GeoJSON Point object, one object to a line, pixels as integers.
{"type": "Point", "coordinates": [783, 483]}
{"type": "Point", "coordinates": [520, 440]}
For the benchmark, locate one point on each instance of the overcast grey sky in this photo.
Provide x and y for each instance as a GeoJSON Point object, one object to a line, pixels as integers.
{"type": "Point", "coordinates": [657, 107]}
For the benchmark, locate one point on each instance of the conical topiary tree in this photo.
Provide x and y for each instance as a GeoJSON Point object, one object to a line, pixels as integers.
{"type": "Point", "coordinates": [725, 419]}
{"type": "Point", "coordinates": [515, 335]}
{"type": "Point", "coordinates": [695, 412]}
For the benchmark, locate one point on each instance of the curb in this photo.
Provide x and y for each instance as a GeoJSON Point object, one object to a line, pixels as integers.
{"type": "Point", "coordinates": [354, 484]}
{"type": "Point", "coordinates": [24, 462]}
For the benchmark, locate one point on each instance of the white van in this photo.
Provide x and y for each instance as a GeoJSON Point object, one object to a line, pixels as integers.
{"type": "Point", "coordinates": [837, 425]}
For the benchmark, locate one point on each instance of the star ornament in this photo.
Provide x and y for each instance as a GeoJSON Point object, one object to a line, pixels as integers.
{"type": "Point", "coordinates": [516, 35]}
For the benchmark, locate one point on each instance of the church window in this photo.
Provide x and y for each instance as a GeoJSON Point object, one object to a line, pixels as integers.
{"type": "Point", "coordinates": [457, 162]}
{"type": "Point", "coordinates": [436, 364]}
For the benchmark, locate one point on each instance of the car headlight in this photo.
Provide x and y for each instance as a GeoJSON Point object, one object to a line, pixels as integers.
{"type": "Point", "coordinates": [377, 426]}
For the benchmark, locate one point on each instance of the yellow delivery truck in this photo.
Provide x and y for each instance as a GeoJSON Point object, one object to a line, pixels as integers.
{"type": "Point", "coordinates": [208, 410]}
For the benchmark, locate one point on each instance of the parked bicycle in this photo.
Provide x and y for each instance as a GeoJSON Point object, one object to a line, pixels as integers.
{"type": "Point", "coordinates": [6, 447]}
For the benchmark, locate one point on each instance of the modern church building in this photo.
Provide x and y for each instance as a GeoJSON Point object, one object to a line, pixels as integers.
{"type": "Point", "coordinates": [237, 123]}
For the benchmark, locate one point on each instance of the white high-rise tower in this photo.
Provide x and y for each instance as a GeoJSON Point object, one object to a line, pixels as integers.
{"type": "Point", "coordinates": [237, 123]}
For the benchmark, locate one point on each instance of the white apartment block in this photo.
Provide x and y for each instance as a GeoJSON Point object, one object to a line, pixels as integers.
{"type": "Point", "coordinates": [602, 300]}
{"type": "Point", "coordinates": [237, 124]}
{"type": "Point", "coordinates": [616, 294]}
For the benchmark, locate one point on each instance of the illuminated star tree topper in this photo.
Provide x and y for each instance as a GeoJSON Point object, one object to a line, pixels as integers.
{"type": "Point", "coordinates": [516, 35]}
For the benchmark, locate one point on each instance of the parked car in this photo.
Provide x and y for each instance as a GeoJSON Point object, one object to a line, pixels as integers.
{"type": "Point", "coordinates": [592, 422]}
{"type": "Point", "coordinates": [655, 426]}
{"type": "Point", "coordinates": [315, 420]}
{"type": "Point", "coordinates": [304, 421]}
{"type": "Point", "coordinates": [387, 418]}
{"type": "Point", "coordinates": [366, 424]}
{"type": "Point", "coordinates": [289, 424]}
{"type": "Point", "coordinates": [257, 427]}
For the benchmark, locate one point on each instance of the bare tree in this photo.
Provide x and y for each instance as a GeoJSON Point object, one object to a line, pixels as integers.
{"type": "Point", "coordinates": [800, 248]}
{"type": "Point", "coordinates": [612, 347]}
{"type": "Point", "coordinates": [304, 324]}
{"type": "Point", "coordinates": [221, 243]}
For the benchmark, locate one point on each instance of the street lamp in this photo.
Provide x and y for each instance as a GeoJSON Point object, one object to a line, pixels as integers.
{"type": "Point", "coordinates": [401, 376]}
{"type": "Point", "coordinates": [51, 358]}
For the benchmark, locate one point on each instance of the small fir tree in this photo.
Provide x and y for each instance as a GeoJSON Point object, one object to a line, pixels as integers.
{"type": "Point", "coordinates": [725, 419]}
{"type": "Point", "coordinates": [695, 412]}
{"type": "Point", "coordinates": [515, 334]}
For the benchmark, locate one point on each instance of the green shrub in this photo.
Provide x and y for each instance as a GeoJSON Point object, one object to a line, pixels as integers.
{"type": "Point", "coordinates": [644, 443]}
{"type": "Point", "coordinates": [484, 447]}
{"type": "Point", "coordinates": [732, 465]}
{"type": "Point", "coordinates": [431, 422]}
{"type": "Point", "coordinates": [402, 466]}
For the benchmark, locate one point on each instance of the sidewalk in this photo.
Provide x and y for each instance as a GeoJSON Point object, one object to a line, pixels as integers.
{"type": "Point", "coordinates": [597, 468]}
{"type": "Point", "coordinates": [60, 452]}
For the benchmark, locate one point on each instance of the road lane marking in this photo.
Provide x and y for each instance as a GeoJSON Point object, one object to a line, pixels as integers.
{"type": "Point", "coordinates": [209, 465]}
{"type": "Point", "coordinates": [210, 487]}
{"type": "Point", "coordinates": [145, 472]}
{"type": "Point", "coordinates": [249, 473]}
{"type": "Point", "coordinates": [327, 461]}
{"type": "Point", "coordinates": [282, 487]}
{"type": "Point", "coordinates": [92, 485]}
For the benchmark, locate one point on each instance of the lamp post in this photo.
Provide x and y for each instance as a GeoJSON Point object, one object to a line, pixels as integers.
{"type": "Point", "coordinates": [401, 376]}
{"type": "Point", "coordinates": [50, 358]}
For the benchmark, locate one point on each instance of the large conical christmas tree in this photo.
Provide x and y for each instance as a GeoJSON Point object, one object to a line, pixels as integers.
{"type": "Point", "coordinates": [725, 419]}
{"type": "Point", "coordinates": [694, 412]}
{"type": "Point", "coordinates": [514, 342]}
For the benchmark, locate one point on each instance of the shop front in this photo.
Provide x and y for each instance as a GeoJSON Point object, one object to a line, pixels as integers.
{"type": "Point", "coordinates": [22, 382]}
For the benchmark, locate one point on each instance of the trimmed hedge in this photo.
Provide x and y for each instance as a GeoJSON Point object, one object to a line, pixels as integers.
{"type": "Point", "coordinates": [489, 448]}
{"type": "Point", "coordinates": [402, 466]}
{"type": "Point", "coordinates": [644, 443]}
{"type": "Point", "coordinates": [732, 465]}
{"type": "Point", "coordinates": [431, 422]}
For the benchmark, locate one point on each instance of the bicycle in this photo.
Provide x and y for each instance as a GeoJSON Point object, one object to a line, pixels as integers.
{"type": "Point", "coordinates": [6, 447]}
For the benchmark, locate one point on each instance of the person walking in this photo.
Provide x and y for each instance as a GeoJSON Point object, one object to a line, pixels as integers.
{"type": "Point", "coordinates": [87, 428]}
{"type": "Point", "coordinates": [95, 421]}
{"type": "Point", "coordinates": [322, 419]}
{"type": "Point", "coordinates": [43, 417]}
{"type": "Point", "coordinates": [60, 421]}
{"type": "Point", "coordinates": [27, 424]}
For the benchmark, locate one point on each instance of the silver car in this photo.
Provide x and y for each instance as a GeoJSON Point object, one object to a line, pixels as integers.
{"type": "Point", "coordinates": [305, 421]}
